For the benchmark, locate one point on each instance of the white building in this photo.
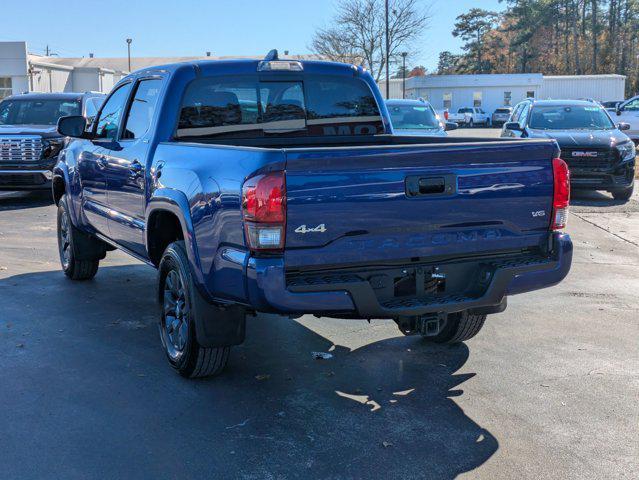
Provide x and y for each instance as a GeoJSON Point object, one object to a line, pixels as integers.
{"type": "Point", "coordinates": [21, 71]}
{"type": "Point", "coordinates": [497, 90]}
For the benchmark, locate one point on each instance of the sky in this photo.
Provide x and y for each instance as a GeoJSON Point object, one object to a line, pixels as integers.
{"type": "Point", "coordinates": [166, 28]}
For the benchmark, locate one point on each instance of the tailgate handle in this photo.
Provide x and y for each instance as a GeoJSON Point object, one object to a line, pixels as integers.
{"type": "Point", "coordinates": [417, 186]}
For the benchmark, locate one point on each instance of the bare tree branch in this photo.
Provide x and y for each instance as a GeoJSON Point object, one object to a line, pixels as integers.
{"type": "Point", "coordinates": [357, 33]}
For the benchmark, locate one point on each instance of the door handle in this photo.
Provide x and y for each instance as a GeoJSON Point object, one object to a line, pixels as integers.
{"type": "Point", "coordinates": [158, 169]}
{"type": "Point", "coordinates": [443, 185]}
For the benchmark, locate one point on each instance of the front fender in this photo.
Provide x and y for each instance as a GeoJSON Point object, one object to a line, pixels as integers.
{"type": "Point", "coordinates": [176, 202]}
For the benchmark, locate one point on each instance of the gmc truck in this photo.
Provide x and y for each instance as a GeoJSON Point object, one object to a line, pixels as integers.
{"type": "Point", "coordinates": [29, 141]}
{"type": "Point", "coordinates": [278, 186]}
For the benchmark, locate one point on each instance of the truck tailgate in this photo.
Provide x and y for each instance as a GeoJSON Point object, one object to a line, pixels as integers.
{"type": "Point", "coordinates": [362, 205]}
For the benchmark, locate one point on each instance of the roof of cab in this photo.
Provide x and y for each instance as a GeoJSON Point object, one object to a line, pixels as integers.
{"type": "Point", "coordinates": [246, 66]}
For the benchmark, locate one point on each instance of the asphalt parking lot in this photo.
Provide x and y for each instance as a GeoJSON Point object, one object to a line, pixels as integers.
{"type": "Point", "coordinates": [547, 390]}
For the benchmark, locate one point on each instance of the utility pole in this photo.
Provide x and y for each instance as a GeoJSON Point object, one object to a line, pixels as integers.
{"type": "Point", "coordinates": [128, 46]}
{"type": "Point", "coordinates": [404, 74]}
{"type": "Point", "coordinates": [387, 54]}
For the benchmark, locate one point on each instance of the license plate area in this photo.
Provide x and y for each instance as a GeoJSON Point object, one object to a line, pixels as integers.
{"type": "Point", "coordinates": [430, 281]}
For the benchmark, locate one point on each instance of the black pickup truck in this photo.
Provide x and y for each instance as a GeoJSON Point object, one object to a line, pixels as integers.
{"type": "Point", "coordinates": [29, 141]}
{"type": "Point", "coordinates": [598, 152]}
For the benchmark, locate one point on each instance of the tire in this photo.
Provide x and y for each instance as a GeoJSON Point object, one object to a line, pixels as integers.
{"type": "Point", "coordinates": [177, 322]}
{"type": "Point", "coordinates": [624, 194]}
{"type": "Point", "coordinates": [459, 328]}
{"type": "Point", "coordinates": [70, 243]}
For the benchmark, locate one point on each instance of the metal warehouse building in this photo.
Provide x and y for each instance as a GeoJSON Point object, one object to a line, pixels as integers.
{"type": "Point", "coordinates": [497, 90]}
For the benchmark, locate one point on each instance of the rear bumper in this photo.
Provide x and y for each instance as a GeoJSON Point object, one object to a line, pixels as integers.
{"type": "Point", "coordinates": [22, 179]}
{"type": "Point", "coordinates": [621, 176]}
{"type": "Point", "coordinates": [350, 295]}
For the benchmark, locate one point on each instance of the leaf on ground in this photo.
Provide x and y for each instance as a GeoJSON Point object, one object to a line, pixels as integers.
{"type": "Point", "coordinates": [321, 355]}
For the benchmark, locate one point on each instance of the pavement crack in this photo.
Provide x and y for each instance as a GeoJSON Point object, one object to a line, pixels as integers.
{"type": "Point", "coordinates": [605, 229]}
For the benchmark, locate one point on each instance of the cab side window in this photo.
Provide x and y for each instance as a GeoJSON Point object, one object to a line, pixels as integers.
{"type": "Point", "coordinates": [142, 109]}
{"type": "Point", "coordinates": [111, 114]}
{"type": "Point", "coordinates": [523, 116]}
{"type": "Point", "coordinates": [632, 106]}
{"type": "Point", "coordinates": [91, 107]}
{"type": "Point", "coordinates": [516, 112]}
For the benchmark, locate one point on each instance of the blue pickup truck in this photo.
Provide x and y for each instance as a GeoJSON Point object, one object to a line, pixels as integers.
{"type": "Point", "coordinates": [278, 186]}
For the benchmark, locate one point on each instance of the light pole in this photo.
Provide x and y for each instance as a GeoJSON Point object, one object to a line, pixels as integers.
{"type": "Point", "coordinates": [387, 54]}
{"type": "Point", "coordinates": [404, 74]}
{"type": "Point", "coordinates": [128, 47]}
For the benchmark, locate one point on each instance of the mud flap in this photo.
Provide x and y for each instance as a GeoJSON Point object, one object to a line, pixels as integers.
{"type": "Point", "coordinates": [217, 326]}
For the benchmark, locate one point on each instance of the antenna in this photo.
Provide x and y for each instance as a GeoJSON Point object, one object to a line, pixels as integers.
{"type": "Point", "coordinates": [272, 55]}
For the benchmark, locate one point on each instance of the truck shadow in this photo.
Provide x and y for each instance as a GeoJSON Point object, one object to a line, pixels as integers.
{"type": "Point", "coordinates": [384, 410]}
{"type": "Point", "coordinates": [22, 200]}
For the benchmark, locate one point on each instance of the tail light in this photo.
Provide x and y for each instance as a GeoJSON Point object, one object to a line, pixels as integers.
{"type": "Point", "coordinates": [446, 114]}
{"type": "Point", "coordinates": [561, 194]}
{"type": "Point", "coordinates": [264, 212]}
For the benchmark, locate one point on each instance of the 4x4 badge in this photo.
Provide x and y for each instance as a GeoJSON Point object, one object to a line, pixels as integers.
{"type": "Point", "coordinates": [321, 228]}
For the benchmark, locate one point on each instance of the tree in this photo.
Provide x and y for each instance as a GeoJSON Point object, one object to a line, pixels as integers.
{"type": "Point", "coordinates": [401, 72]}
{"type": "Point", "coordinates": [419, 71]}
{"type": "Point", "coordinates": [447, 64]}
{"type": "Point", "coordinates": [357, 34]}
{"type": "Point", "coordinates": [471, 27]}
{"type": "Point", "coordinates": [557, 37]}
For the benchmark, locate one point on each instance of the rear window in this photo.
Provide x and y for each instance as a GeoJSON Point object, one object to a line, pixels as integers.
{"type": "Point", "coordinates": [502, 110]}
{"type": "Point", "coordinates": [465, 110]}
{"type": "Point", "coordinates": [413, 117]}
{"type": "Point", "coordinates": [245, 107]}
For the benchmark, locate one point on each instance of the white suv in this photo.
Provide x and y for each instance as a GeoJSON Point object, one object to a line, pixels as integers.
{"type": "Point", "coordinates": [628, 112]}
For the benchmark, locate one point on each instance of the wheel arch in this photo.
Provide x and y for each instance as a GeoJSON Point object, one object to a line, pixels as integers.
{"type": "Point", "coordinates": [58, 186]}
{"type": "Point", "coordinates": [168, 218]}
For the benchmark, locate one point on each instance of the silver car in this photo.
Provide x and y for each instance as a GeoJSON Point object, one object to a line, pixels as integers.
{"type": "Point", "coordinates": [417, 117]}
{"type": "Point", "coordinates": [501, 116]}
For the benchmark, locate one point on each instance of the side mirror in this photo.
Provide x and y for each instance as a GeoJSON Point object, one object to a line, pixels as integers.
{"type": "Point", "coordinates": [618, 111]}
{"type": "Point", "coordinates": [450, 126]}
{"type": "Point", "coordinates": [513, 126]}
{"type": "Point", "coordinates": [73, 126]}
{"type": "Point", "coordinates": [623, 126]}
